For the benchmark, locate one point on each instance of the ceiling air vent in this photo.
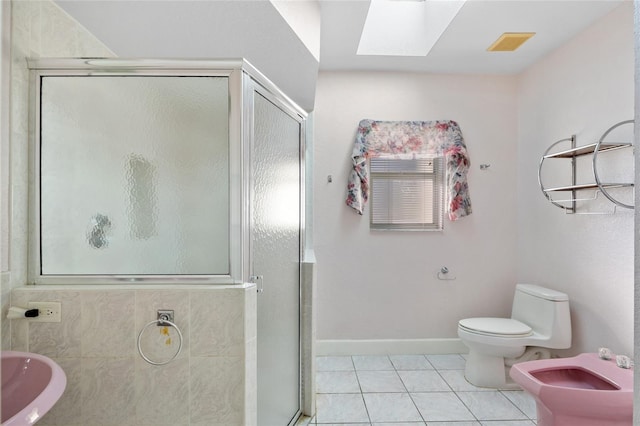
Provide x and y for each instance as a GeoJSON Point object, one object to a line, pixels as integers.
{"type": "Point", "coordinates": [508, 42]}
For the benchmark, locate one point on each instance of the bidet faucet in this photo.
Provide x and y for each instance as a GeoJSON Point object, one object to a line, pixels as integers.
{"type": "Point", "coordinates": [623, 361]}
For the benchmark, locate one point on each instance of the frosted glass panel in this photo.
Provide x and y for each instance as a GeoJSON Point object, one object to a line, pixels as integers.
{"type": "Point", "coordinates": [276, 257]}
{"type": "Point", "coordinates": [134, 175]}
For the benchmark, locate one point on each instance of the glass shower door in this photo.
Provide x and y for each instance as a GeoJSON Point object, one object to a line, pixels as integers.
{"type": "Point", "coordinates": [276, 259]}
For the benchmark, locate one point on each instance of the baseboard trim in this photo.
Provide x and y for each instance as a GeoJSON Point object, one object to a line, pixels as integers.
{"type": "Point", "coordinates": [390, 347]}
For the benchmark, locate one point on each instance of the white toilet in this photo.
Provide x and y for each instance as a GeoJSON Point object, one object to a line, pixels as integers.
{"type": "Point", "coordinates": [539, 321]}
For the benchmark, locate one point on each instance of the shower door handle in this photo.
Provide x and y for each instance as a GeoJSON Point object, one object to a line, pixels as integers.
{"type": "Point", "coordinates": [258, 280]}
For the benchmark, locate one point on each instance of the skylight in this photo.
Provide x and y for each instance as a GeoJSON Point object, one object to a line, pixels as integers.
{"type": "Point", "coordinates": [406, 27]}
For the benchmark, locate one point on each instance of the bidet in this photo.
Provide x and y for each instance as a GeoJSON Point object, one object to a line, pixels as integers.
{"type": "Point", "coordinates": [31, 385]}
{"type": "Point", "coordinates": [583, 390]}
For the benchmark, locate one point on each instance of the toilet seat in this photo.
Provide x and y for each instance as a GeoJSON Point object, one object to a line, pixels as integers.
{"type": "Point", "coordinates": [498, 327]}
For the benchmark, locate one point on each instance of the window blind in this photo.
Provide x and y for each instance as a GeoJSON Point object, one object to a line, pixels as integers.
{"type": "Point", "coordinates": [407, 194]}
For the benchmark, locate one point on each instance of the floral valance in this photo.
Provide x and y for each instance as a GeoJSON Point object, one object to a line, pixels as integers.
{"type": "Point", "coordinates": [402, 139]}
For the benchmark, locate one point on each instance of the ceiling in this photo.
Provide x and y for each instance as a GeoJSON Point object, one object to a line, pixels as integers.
{"type": "Point", "coordinates": [203, 29]}
{"type": "Point", "coordinates": [256, 31]}
{"type": "Point", "coordinates": [462, 47]}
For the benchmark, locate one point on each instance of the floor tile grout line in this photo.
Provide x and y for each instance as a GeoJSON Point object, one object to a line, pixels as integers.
{"type": "Point", "coordinates": [415, 405]}
{"type": "Point", "coordinates": [366, 409]}
{"type": "Point", "coordinates": [445, 380]}
{"type": "Point", "coordinates": [516, 405]}
{"type": "Point", "coordinates": [407, 389]}
{"type": "Point", "coordinates": [499, 391]}
{"type": "Point", "coordinates": [458, 396]}
{"type": "Point", "coordinates": [467, 407]}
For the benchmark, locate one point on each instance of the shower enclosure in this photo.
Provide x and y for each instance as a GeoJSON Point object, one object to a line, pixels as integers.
{"type": "Point", "coordinates": [175, 172]}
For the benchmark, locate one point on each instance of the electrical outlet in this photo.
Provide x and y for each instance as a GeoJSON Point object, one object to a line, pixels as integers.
{"type": "Point", "coordinates": [49, 311]}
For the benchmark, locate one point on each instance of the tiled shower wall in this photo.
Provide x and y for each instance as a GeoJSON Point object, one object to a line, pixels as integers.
{"type": "Point", "coordinates": [211, 382]}
{"type": "Point", "coordinates": [5, 296]}
{"type": "Point", "coordinates": [38, 29]}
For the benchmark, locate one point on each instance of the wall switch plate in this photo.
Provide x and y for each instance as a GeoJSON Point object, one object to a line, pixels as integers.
{"type": "Point", "coordinates": [49, 311]}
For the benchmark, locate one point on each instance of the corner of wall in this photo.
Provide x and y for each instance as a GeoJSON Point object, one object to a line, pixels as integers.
{"type": "Point", "coordinates": [636, 298]}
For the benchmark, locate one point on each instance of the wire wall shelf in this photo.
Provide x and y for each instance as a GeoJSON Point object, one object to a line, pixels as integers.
{"type": "Point", "coordinates": [598, 185]}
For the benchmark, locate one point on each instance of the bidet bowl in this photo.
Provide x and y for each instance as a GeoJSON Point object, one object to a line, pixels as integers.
{"type": "Point", "coordinates": [574, 377]}
{"type": "Point", "coordinates": [31, 385]}
{"type": "Point", "coordinates": [583, 390]}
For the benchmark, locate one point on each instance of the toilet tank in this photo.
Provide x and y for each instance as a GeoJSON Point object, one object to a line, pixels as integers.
{"type": "Point", "coordinates": [546, 311]}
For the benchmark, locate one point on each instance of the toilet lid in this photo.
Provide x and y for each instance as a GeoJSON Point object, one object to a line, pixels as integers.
{"type": "Point", "coordinates": [500, 326]}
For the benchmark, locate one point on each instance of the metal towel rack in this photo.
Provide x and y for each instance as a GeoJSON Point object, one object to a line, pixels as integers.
{"type": "Point", "coordinates": [570, 205]}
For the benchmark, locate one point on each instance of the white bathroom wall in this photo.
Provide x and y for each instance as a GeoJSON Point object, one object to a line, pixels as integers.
{"type": "Point", "coordinates": [383, 285]}
{"type": "Point", "coordinates": [582, 88]}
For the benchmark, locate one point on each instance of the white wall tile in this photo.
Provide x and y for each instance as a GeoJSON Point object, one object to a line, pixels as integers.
{"type": "Point", "coordinates": [57, 340]}
{"type": "Point", "coordinates": [19, 329]}
{"type": "Point", "coordinates": [251, 357]}
{"type": "Point", "coordinates": [96, 345]}
{"type": "Point", "coordinates": [5, 299]}
{"type": "Point", "coordinates": [68, 410]}
{"type": "Point", "coordinates": [250, 313]}
{"type": "Point", "coordinates": [108, 323]}
{"type": "Point", "coordinates": [19, 334]}
{"type": "Point", "coordinates": [162, 393]}
{"type": "Point", "coordinates": [217, 391]}
{"type": "Point", "coordinates": [217, 323]}
{"type": "Point", "coordinates": [107, 387]}
{"type": "Point", "coordinates": [251, 382]}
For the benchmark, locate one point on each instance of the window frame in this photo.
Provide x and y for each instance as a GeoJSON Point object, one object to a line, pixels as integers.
{"type": "Point", "coordinates": [429, 170]}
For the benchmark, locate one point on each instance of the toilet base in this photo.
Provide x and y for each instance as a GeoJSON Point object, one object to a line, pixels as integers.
{"type": "Point", "coordinates": [488, 371]}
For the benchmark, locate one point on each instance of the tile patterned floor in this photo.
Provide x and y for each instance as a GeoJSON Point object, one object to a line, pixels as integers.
{"type": "Point", "coordinates": [411, 390]}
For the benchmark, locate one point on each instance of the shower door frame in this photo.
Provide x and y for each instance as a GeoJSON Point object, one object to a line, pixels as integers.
{"type": "Point", "coordinates": [255, 84]}
{"type": "Point", "coordinates": [233, 70]}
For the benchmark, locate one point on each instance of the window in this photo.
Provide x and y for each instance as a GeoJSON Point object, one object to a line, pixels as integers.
{"type": "Point", "coordinates": [407, 194]}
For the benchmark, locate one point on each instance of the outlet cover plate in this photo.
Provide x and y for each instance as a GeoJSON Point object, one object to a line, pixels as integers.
{"type": "Point", "coordinates": [49, 311]}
